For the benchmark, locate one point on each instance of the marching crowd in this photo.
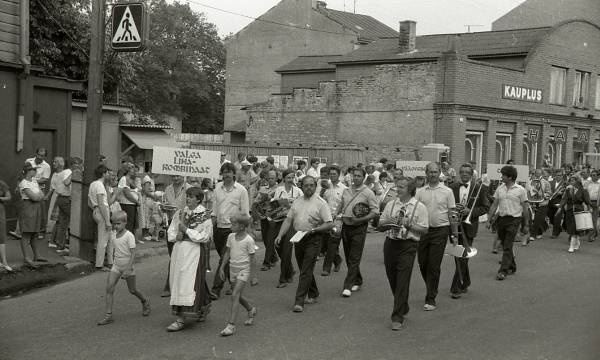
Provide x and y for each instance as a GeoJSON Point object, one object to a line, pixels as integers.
{"type": "Point", "coordinates": [306, 210]}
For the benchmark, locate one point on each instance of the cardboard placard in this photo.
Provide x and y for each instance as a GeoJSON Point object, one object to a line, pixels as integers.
{"type": "Point", "coordinates": [186, 162]}
{"type": "Point", "coordinates": [412, 168]}
{"type": "Point", "coordinates": [493, 172]}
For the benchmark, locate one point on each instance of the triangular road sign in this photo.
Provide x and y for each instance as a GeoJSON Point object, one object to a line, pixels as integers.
{"type": "Point", "coordinates": [127, 31]}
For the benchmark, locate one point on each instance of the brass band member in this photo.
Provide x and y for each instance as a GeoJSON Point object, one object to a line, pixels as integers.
{"type": "Point", "coordinates": [510, 200]}
{"type": "Point", "coordinates": [472, 201]}
{"type": "Point", "coordinates": [440, 204]}
{"type": "Point", "coordinates": [405, 219]}
{"type": "Point", "coordinates": [558, 184]}
{"type": "Point", "coordinates": [539, 193]}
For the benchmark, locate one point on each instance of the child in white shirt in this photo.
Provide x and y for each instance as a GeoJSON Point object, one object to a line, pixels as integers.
{"type": "Point", "coordinates": [242, 266]}
{"type": "Point", "coordinates": [124, 245]}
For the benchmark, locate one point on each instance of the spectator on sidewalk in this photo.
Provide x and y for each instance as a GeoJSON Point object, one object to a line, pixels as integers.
{"type": "Point", "coordinates": [98, 202]}
{"type": "Point", "coordinates": [61, 185]}
{"type": "Point", "coordinates": [4, 197]}
{"type": "Point", "coordinates": [31, 217]}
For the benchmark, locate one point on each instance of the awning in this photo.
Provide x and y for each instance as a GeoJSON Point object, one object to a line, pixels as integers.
{"type": "Point", "coordinates": [146, 140]}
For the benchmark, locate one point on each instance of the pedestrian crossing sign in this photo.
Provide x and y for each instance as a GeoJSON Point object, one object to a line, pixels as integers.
{"type": "Point", "coordinates": [129, 27]}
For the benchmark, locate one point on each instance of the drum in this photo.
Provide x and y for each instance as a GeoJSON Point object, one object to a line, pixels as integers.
{"type": "Point", "coordinates": [583, 220]}
{"type": "Point", "coordinates": [360, 209]}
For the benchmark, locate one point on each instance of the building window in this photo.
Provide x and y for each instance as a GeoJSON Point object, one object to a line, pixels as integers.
{"type": "Point", "coordinates": [598, 92]}
{"type": "Point", "coordinates": [580, 91]}
{"type": "Point", "coordinates": [557, 85]}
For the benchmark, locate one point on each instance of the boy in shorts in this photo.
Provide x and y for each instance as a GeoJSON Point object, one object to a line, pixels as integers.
{"type": "Point", "coordinates": [242, 267]}
{"type": "Point", "coordinates": [124, 245]}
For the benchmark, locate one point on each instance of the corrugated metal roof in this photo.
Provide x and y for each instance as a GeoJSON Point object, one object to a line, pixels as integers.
{"type": "Point", "coordinates": [367, 27]}
{"type": "Point", "coordinates": [146, 140]}
{"type": "Point", "coordinates": [303, 63]}
{"type": "Point", "coordinates": [487, 43]}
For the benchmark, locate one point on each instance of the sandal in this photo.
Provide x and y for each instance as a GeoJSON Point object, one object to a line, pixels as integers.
{"type": "Point", "coordinates": [41, 260]}
{"type": "Point", "coordinates": [251, 315]}
{"type": "Point", "coordinates": [7, 268]}
{"type": "Point", "coordinates": [176, 326]}
{"type": "Point", "coordinates": [30, 264]}
{"type": "Point", "coordinates": [107, 319]}
{"type": "Point", "coordinates": [229, 330]}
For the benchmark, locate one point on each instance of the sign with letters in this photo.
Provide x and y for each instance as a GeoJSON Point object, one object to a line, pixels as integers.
{"type": "Point", "coordinates": [412, 168]}
{"type": "Point", "coordinates": [186, 162]}
{"type": "Point", "coordinates": [559, 135]}
{"type": "Point", "coordinates": [533, 134]}
{"type": "Point", "coordinates": [493, 172]}
{"type": "Point", "coordinates": [583, 136]}
{"type": "Point", "coordinates": [521, 93]}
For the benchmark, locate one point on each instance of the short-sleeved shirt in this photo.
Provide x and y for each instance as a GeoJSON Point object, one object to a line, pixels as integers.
{"type": "Point", "coordinates": [309, 213]}
{"type": "Point", "coordinates": [31, 185]}
{"type": "Point", "coordinates": [42, 170]}
{"type": "Point", "coordinates": [313, 172]}
{"type": "Point", "coordinates": [229, 202]}
{"type": "Point", "coordinates": [123, 245]}
{"type": "Point", "coordinates": [176, 199]}
{"type": "Point", "coordinates": [510, 200]}
{"type": "Point", "coordinates": [333, 196]}
{"type": "Point", "coordinates": [239, 251]}
{"type": "Point", "coordinates": [57, 183]}
{"type": "Point", "coordinates": [438, 200]}
{"type": "Point", "coordinates": [97, 187]}
{"type": "Point", "coordinates": [122, 198]}
{"type": "Point", "coordinates": [293, 194]}
{"type": "Point", "coordinates": [593, 188]}
{"type": "Point", "coordinates": [392, 211]}
{"type": "Point", "coordinates": [350, 198]}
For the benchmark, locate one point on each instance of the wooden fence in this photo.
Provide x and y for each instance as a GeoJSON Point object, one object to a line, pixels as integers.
{"type": "Point", "coordinates": [344, 156]}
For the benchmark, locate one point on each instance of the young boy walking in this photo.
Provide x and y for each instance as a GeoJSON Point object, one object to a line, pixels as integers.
{"type": "Point", "coordinates": [239, 253]}
{"type": "Point", "coordinates": [124, 245]}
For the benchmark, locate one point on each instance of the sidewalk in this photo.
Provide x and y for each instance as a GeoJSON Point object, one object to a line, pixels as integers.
{"type": "Point", "coordinates": [58, 268]}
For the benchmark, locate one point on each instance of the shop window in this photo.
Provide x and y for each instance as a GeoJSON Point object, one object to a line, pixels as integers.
{"type": "Point", "coordinates": [580, 91]}
{"type": "Point", "coordinates": [557, 85]}
{"type": "Point", "coordinates": [598, 92]}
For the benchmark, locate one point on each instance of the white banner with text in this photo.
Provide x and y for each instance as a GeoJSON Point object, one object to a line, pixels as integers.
{"type": "Point", "coordinates": [186, 162]}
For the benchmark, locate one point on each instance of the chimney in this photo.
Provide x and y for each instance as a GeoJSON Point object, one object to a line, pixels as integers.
{"type": "Point", "coordinates": [318, 4]}
{"type": "Point", "coordinates": [408, 35]}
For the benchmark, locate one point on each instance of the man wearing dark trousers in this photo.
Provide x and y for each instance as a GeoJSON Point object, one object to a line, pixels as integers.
{"type": "Point", "coordinates": [405, 220]}
{"type": "Point", "coordinates": [474, 202]}
{"type": "Point", "coordinates": [510, 203]}
{"type": "Point", "coordinates": [558, 186]}
{"type": "Point", "coordinates": [439, 201]}
{"type": "Point", "coordinates": [333, 197]}
{"type": "Point", "coordinates": [311, 214]}
{"type": "Point", "coordinates": [354, 228]}
{"type": "Point", "coordinates": [231, 198]}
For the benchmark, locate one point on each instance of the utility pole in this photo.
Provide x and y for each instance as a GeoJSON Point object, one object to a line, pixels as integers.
{"type": "Point", "coordinates": [468, 26]}
{"type": "Point", "coordinates": [92, 128]}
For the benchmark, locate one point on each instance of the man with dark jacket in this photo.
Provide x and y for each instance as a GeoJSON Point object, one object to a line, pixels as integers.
{"type": "Point", "coordinates": [472, 201]}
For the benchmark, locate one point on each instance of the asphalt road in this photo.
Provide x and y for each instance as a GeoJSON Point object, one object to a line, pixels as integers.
{"type": "Point", "coordinates": [550, 309]}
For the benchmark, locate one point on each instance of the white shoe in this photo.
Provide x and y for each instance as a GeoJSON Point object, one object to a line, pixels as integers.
{"type": "Point", "coordinates": [429, 307]}
{"type": "Point", "coordinates": [355, 288]}
{"type": "Point", "coordinates": [571, 245]}
{"type": "Point", "coordinates": [346, 293]}
{"type": "Point", "coordinates": [539, 237]}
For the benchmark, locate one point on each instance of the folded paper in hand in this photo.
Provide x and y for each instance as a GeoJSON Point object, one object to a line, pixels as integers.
{"type": "Point", "coordinates": [298, 236]}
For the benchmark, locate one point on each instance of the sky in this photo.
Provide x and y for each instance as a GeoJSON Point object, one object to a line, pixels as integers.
{"type": "Point", "coordinates": [432, 16]}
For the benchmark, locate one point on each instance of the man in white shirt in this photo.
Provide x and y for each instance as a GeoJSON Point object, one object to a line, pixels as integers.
{"type": "Point", "coordinates": [440, 203]}
{"type": "Point", "coordinates": [98, 202]}
{"type": "Point", "coordinates": [61, 185]}
{"type": "Point", "coordinates": [43, 170]}
{"type": "Point", "coordinates": [593, 188]}
{"type": "Point", "coordinates": [231, 198]}
{"type": "Point", "coordinates": [333, 197]}
{"type": "Point", "coordinates": [314, 169]}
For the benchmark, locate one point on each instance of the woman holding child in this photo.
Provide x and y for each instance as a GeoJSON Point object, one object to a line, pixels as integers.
{"type": "Point", "coordinates": [190, 228]}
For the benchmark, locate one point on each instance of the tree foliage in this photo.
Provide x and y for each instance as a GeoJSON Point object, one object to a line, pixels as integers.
{"type": "Point", "coordinates": [180, 73]}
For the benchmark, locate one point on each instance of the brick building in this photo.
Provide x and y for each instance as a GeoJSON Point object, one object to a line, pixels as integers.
{"type": "Point", "coordinates": [290, 29]}
{"type": "Point", "coordinates": [538, 13]}
{"type": "Point", "coordinates": [490, 96]}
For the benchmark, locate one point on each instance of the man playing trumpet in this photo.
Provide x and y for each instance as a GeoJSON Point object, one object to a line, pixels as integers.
{"type": "Point", "coordinates": [471, 202]}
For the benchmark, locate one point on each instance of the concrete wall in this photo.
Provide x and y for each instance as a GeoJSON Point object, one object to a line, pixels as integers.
{"type": "Point", "coordinates": [255, 52]}
{"type": "Point", "coordinates": [389, 112]}
{"type": "Point", "coordinates": [304, 80]}
{"type": "Point", "coordinates": [539, 13]}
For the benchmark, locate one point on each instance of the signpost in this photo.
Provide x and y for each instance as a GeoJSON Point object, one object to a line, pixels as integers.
{"type": "Point", "coordinates": [186, 162]}
{"type": "Point", "coordinates": [129, 27]}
